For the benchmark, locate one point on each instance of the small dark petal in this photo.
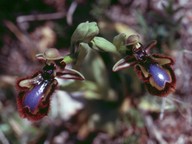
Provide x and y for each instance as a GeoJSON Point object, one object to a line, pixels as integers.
{"type": "Point", "coordinates": [123, 63]}
{"type": "Point", "coordinates": [60, 63]}
{"type": "Point", "coordinates": [142, 73]}
{"type": "Point", "coordinates": [162, 60]}
{"type": "Point", "coordinates": [150, 46]}
{"type": "Point", "coordinates": [70, 74]}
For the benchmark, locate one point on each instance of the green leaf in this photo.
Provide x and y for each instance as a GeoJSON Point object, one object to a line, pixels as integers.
{"type": "Point", "coordinates": [68, 59]}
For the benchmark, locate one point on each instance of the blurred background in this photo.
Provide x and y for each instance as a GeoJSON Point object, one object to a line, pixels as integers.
{"type": "Point", "coordinates": [106, 108]}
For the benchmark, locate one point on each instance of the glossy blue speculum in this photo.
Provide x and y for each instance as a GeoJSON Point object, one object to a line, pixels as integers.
{"type": "Point", "coordinates": [34, 96]}
{"type": "Point", "coordinates": [159, 75]}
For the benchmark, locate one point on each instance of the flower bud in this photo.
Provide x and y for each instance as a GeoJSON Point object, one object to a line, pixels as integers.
{"type": "Point", "coordinates": [85, 32]}
{"type": "Point", "coordinates": [99, 43]}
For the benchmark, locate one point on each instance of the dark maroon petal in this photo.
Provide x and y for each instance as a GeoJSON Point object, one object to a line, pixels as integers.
{"type": "Point", "coordinates": [162, 60]}
{"type": "Point", "coordinates": [150, 46]}
{"type": "Point", "coordinates": [124, 63]}
{"type": "Point", "coordinates": [70, 74]}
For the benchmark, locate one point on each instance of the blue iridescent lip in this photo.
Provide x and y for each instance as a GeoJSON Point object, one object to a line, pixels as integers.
{"type": "Point", "coordinates": [159, 75]}
{"type": "Point", "coordinates": [34, 96]}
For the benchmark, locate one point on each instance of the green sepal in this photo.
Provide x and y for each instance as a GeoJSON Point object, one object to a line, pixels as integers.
{"type": "Point", "coordinates": [99, 43]}
{"type": "Point", "coordinates": [119, 42]}
{"type": "Point", "coordinates": [84, 32]}
{"type": "Point", "coordinates": [68, 59]}
{"type": "Point", "coordinates": [82, 52]}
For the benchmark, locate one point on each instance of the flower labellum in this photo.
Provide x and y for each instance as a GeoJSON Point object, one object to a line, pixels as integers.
{"type": "Point", "coordinates": [159, 75]}
{"type": "Point", "coordinates": [35, 92]}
